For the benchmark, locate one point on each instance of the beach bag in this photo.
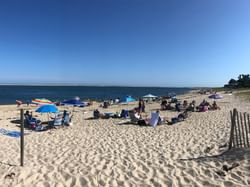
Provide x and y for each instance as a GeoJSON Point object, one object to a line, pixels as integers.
{"type": "Point", "coordinates": [142, 122]}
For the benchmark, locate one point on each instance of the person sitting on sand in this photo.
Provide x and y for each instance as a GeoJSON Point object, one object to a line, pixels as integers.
{"type": "Point", "coordinates": [214, 106]}
{"type": "Point", "coordinates": [28, 115]}
{"type": "Point", "coordinates": [185, 104]}
{"type": "Point", "coordinates": [178, 107]}
{"type": "Point", "coordinates": [97, 114]}
{"type": "Point", "coordinates": [181, 117]}
{"type": "Point", "coordinates": [137, 114]}
{"type": "Point", "coordinates": [204, 106]}
{"type": "Point", "coordinates": [191, 107]}
{"type": "Point", "coordinates": [193, 102]}
{"type": "Point", "coordinates": [164, 104]}
{"type": "Point", "coordinates": [169, 107]}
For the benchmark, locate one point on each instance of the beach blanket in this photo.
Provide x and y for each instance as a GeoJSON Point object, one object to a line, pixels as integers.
{"type": "Point", "coordinates": [15, 134]}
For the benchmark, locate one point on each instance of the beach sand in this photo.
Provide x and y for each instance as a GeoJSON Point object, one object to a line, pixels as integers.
{"type": "Point", "coordinates": [105, 153]}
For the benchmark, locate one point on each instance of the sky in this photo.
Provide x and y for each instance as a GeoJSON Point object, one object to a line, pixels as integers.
{"type": "Point", "coordinates": [168, 43]}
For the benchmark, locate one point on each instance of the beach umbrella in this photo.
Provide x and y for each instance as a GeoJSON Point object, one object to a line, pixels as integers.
{"type": "Point", "coordinates": [42, 101]}
{"type": "Point", "coordinates": [73, 102]}
{"type": "Point", "coordinates": [215, 96]}
{"type": "Point", "coordinates": [150, 96]}
{"type": "Point", "coordinates": [47, 109]}
{"type": "Point", "coordinates": [127, 99]}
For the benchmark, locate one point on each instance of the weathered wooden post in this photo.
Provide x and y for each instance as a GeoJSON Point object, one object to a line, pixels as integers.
{"type": "Point", "coordinates": [22, 139]}
{"type": "Point", "coordinates": [233, 139]}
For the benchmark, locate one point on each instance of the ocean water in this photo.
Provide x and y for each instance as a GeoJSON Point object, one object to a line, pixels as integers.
{"type": "Point", "coordinates": [9, 94]}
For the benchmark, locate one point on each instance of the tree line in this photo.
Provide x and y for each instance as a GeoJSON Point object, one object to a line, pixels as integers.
{"type": "Point", "coordinates": [242, 82]}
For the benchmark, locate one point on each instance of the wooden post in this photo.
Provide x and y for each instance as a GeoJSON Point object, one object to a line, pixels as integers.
{"type": "Point", "coordinates": [22, 139]}
{"type": "Point", "coordinates": [248, 121]}
{"type": "Point", "coordinates": [242, 130]}
{"type": "Point", "coordinates": [235, 129]}
{"type": "Point", "coordinates": [232, 139]}
{"type": "Point", "coordinates": [239, 130]}
{"type": "Point", "coordinates": [247, 130]}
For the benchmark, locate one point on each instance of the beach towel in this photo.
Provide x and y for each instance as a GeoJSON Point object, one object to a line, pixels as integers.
{"type": "Point", "coordinates": [15, 134]}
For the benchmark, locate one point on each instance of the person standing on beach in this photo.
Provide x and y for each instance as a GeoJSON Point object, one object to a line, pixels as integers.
{"type": "Point", "coordinates": [141, 106]}
{"type": "Point", "coordinates": [28, 103]}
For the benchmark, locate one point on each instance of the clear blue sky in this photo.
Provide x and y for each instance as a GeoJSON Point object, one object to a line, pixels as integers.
{"type": "Point", "coordinates": [124, 42]}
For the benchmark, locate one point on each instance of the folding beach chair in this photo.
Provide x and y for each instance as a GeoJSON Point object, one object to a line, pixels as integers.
{"type": "Point", "coordinates": [154, 119]}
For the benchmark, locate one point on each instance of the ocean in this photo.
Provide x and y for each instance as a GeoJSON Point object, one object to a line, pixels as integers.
{"type": "Point", "coordinates": [9, 94]}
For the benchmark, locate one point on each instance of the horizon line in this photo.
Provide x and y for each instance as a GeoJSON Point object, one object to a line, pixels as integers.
{"type": "Point", "coordinates": [96, 85]}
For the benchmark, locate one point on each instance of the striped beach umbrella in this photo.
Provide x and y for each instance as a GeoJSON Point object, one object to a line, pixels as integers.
{"type": "Point", "coordinates": [42, 102]}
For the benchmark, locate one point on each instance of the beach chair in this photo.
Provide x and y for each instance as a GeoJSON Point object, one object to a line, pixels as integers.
{"type": "Point", "coordinates": [132, 117]}
{"type": "Point", "coordinates": [154, 119]}
{"type": "Point", "coordinates": [58, 121]}
{"type": "Point", "coordinates": [31, 123]}
{"type": "Point", "coordinates": [67, 119]}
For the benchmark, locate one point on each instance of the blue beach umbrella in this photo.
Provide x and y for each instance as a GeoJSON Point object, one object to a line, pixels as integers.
{"type": "Point", "coordinates": [73, 102]}
{"type": "Point", "coordinates": [47, 109]}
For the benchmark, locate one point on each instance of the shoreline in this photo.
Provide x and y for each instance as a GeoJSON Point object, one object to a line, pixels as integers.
{"type": "Point", "coordinates": [24, 94]}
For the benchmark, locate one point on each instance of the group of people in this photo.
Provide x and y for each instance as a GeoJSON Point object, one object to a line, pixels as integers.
{"type": "Point", "coordinates": [185, 106]}
{"type": "Point", "coordinates": [205, 106]}
{"type": "Point", "coordinates": [136, 115]}
{"type": "Point", "coordinates": [36, 124]}
{"type": "Point", "coordinates": [107, 103]}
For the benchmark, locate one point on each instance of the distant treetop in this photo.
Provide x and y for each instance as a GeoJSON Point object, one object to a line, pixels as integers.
{"type": "Point", "coordinates": [242, 82]}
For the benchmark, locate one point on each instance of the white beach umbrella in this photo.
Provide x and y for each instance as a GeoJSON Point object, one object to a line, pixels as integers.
{"type": "Point", "coordinates": [150, 96]}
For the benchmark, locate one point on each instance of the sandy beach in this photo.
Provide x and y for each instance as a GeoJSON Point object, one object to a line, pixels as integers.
{"type": "Point", "coordinates": [105, 152]}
